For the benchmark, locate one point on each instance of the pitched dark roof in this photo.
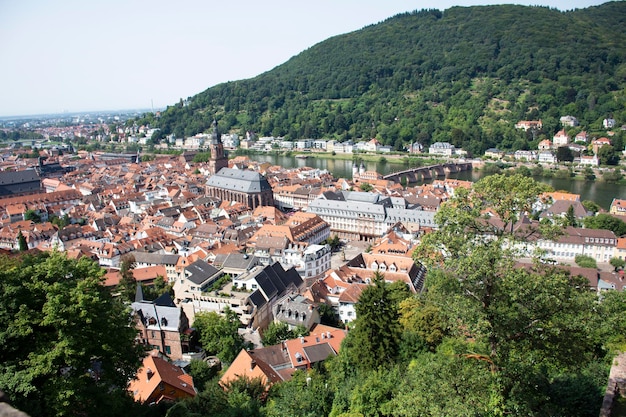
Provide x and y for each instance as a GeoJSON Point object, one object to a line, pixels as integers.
{"type": "Point", "coordinates": [199, 271]}
{"type": "Point", "coordinates": [239, 180]}
{"type": "Point", "coordinates": [17, 182]}
{"type": "Point", "coordinates": [17, 177]}
{"type": "Point", "coordinates": [274, 280]}
{"type": "Point", "coordinates": [165, 300]}
{"type": "Point", "coordinates": [257, 299]}
{"type": "Point", "coordinates": [240, 261]}
{"type": "Point", "coordinates": [318, 353]}
{"type": "Point", "coordinates": [155, 258]}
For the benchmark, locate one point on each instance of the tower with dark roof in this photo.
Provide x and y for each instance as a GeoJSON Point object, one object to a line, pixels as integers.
{"type": "Point", "coordinates": [218, 159]}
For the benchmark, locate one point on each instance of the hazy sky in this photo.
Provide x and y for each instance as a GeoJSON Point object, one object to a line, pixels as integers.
{"type": "Point", "coordinates": [81, 55]}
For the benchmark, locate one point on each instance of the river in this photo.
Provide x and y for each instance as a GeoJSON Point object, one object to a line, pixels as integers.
{"type": "Point", "coordinates": [598, 191]}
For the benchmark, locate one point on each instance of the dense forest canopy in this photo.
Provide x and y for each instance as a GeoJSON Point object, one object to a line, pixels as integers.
{"type": "Point", "coordinates": [465, 76]}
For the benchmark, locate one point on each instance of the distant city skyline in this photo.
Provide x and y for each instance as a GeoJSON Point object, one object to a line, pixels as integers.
{"type": "Point", "coordinates": [79, 56]}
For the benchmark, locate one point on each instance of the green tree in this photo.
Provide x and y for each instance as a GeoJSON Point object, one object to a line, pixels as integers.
{"type": "Point", "coordinates": [158, 288]}
{"type": "Point", "coordinates": [589, 174]}
{"type": "Point", "coordinates": [570, 217]}
{"type": "Point", "coordinates": [607, 222]}
{"type": "Point", "coordinates": [307, 395]}
{"type": "Point", "coordinates": [202, 373]}
{"type": "Point", "coordinates": [328, 315]}
{"type": "Point", "coordinates": [60, 222]}
{"type": "Point", "coordinates": [444, 385]}
{"type": "Point", "coordinates": [210, 401]}
{"type": "Point", "coordinates": [612, 176]}
{"type": "Point", "coordinates": [617, 263]}
{"type": "Point", "coordinates": [591, 206]}
{"type": "Point", "coordinates": [334, 242]}
{"type": "Point", "coordinates": [219, 334]}
{"type": "Point", "coordinates": [585, 261]}
{"type": "Point", "coordinates": [68, 345]}
{"type": "Point", "coordinates": [608, 155]}
{"type": "Point", "coordinates": [537, 171]}
{"type": "Point", "coordinates": [201, 157]}
{"type": "Point", "coordinates": [366, 186]}
{"type": "Point", "coordinates": [564, 154]}
{"type": "Point", "coordinates": [245, 396]}
{"type": "Point", "coordinates": [127, 286]}
{"type": "Point", "coordinates": [523, 170]}
{"type": "Point", "coordinates": [278, 331]}
{"type": "Point", "coordinates": [424, 320]}
{"type": "Point", "coordinates": [21, 242]}
{"type": "Point", "coordinates": [32, 215]}
{"type": "Point", "coordinates": [374, 340]}
{"type": "Point", "coordinates": [520, 321]}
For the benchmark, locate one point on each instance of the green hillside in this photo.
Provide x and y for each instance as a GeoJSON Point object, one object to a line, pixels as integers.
{"type": "Point", "coordinates": [465, 75]}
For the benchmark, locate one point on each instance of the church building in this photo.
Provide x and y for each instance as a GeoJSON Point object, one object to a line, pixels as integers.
{"type": "Point", "coordinates": [243, 186]}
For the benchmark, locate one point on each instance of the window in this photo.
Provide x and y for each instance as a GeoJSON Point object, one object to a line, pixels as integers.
{"type": "Point", "coordinates": [168, 350]}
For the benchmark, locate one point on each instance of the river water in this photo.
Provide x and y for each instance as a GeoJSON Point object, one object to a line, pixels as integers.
{"type": "Point", "coordinates": [598, 191]}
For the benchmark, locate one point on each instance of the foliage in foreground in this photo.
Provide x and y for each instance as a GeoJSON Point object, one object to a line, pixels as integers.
{"type": "Point", "coordinates": [68, 346]}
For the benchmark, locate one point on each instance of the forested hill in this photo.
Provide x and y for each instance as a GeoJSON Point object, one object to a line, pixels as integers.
{"type": "Point", "coordinates": [465, 75]}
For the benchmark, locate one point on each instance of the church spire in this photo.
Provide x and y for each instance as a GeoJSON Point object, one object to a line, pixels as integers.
{"type": "Point", "coordinates": [215, 138]}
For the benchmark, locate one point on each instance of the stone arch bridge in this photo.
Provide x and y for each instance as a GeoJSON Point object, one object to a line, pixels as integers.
{"type": "Point", "coordinates": [428, 172]}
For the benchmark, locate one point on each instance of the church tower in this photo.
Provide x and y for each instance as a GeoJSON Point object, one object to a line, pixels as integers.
{"type": "Point", "coordinates": [218, 159]}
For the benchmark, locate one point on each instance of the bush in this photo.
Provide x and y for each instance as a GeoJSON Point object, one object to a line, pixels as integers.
{"type": "Point", "coordinates": [585, 261]}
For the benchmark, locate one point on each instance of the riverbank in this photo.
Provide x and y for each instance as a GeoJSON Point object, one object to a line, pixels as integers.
{"type": "Point", "coordinates": [562, 172]}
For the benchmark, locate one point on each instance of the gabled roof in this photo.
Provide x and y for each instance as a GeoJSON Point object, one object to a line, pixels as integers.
{"type": "Point", "coordinates": [248, 365]}
{"type": "Point", "coordinates": [239, 180]}
{"type": "Point", "coordinates": [18, 177]}
{"type": "Point", "coordinates": [161, 316]}
{"type": "Point", "coordinates": [153, 375]}
{"type": "Point", "coordinates": [235, 260]}
{"type": "Point", "coordinates": [155, 258]}
{"type": "Point", "coordinates": [199, 271]}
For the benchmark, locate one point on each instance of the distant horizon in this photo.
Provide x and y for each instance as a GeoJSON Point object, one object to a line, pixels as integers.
{"type": "Point", "coordinates": [79, 112]}
{"type": "Point", "coordinates": [123, 55]}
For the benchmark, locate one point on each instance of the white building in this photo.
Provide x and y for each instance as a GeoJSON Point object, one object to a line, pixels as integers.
{"type": "Point", "coordinates": [596, 243]}
{"type": "Point", "coordinates": [568, 120]}
{"type": "Point", "coordinates": [560, 139]}
{"type": "Point", "coordinates": [365, 216]}
{"type": "Point", "coordinates": [589, 161]}
{"type": "Point", "coordinates": [304, 144]}
{"type": "Point", "coordinates": [547, 157]}
{"type": "Point", "coordinates": [441, 148]}
{"type": "Point", "coordinates": [312, 262]}
{"type": "Point", "coordinates": [525, 155]}
{"type": "Point", "coordinates": [608, 123]}
{"type": "Point", "coordinates": [319, 144]}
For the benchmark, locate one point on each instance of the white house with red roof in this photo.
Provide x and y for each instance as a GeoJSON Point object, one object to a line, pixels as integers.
{"type": "Point", "coordinates": [560, 139]}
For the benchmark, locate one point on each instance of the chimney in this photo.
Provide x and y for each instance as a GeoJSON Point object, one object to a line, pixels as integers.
{"type": "Point", "coordinates": [302, 339]}
{"type": "Point", "coordinates": [252, 365]}
{"type": "Point", "coordinates": [149, 373]}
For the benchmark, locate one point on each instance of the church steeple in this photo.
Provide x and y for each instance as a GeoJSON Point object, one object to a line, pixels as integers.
{"type": "Point", "coordinates": [215, 139]}
{"type": "Point", "coordinates": [218, 158]}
